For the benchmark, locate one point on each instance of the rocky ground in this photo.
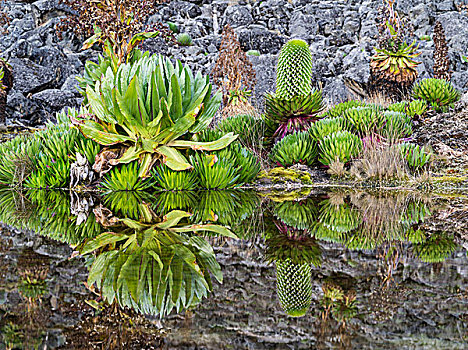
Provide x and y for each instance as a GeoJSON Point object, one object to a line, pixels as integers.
{"type": "Point", "coordinates": [341, 35]}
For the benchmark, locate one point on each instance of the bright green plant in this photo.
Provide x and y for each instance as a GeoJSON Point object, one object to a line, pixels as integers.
{"type": "Point", "coordinates": [213, 172]}
{"type": "Point", "coordinates": [295, 148]}
{"type": "Point", "coordinates": [125, 178]}
{"type": "Point", "coordinates": [364, 120]}
{"type": "Point", "coordinates": [341, 146]}
{"type": "Point", "coordinates": [416, 156]}
{"type": "Point", "coordinates": [244, 160]}
{"type": "Point", "coordinates": [173, 27]}
{"type": "Point", "coordinates": [151, 109]}
{"type": "Point", "coordinates": [175, 180]}
{"type": "Point", "coordinates": [398, 107]}
{"type": "Point", "coordinates": [248, 128]}
{"type": "Point", "coordinates": [339, 218]}
{"type": "Point", "coordinates": [416, 108]}
{"type": "Point", "coordinates": [129, 204]}
{"type": "Point", "coordinates": [295, 105]}
{"type": "Point", "coordinates": [294, 70]}
{"type": "Point", "coordinates": [294, 114]}
{"type": "Point", "coordinates": [184, 39]}
{"type": "Point", "coordinates": [438, 93]}
{"type": "Point", "coordinates": [397, 125]}
{"type": "Point", "coordinates": [327, 126]}
{"type": "Point", "coordinates": [340, 108]}
{"type": "Point", "coordinates": [253, 53]}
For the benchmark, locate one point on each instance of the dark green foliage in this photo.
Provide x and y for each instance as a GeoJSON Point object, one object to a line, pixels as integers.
{"type": "Point", "coordinates": [129, 204]}
{"type": "Point", "coordinates": [341, 146]}
{"type": "Point", "coordinates": [288, 115]}
{"type": "Point", "coordinates": [245, 161]}
{"type": "Point", "coordinates": [295, 148]}
{"type": "Point", "coordinates": [125, 178]}
{"type": "Point", "coordinates": [175, 200]}
{"type": "Point", "coordinates": [339, 218]}
{"type": "Point", "coordinates": [416, 156]}
{"type": "Point", "coordinates": [299, 215]}
{"type": "Point", "coordinates": [214, 172]}
{"type": "Point", "coordinates": [327, 126]}
{"type": "Point", "coordinates": [438, 93]}
{"type": "Point", "coordinates": [364, 120]}
{"type": "Point", "coordinates": [248, 128]}
{"type": "Point", "coordinates": [175, 180]}
{"type": "Point", "coordinates": [340, 108]}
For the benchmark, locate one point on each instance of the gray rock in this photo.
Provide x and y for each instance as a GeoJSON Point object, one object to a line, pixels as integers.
{"type": "Point", "coordinates": [71, 85]}
{"type": "Point", "coordinates": [30, 77]}
{"type": "Point", "coordinates": [264, 66]}
{"type": "Point", "coordinates": [237, 16]}
{"type": "Point", "coordinates": [356, 65]}
{"type": "Point", "coordinates": [20, 107]}
{"type": "Point", "coordinates": [54, 100]}
{"type": "Point", "coordinates": [261, 39]}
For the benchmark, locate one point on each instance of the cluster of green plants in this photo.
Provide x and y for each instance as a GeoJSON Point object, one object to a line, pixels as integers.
{"type": "Point", "coordinates": [47, 213]}
{"type": "Point", "coordinates": [438, 93]}
{"type": "Point", "coordinates": [416, 156]}
{"type": "Point", "coordinates": [295, 148]}
{"type": "Point", "coordinates": [42, 160]}
{"type": "Point", "coordinates": [359, 223]}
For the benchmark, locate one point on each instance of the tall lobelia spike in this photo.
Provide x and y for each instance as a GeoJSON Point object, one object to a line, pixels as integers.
{"type": "Point", "coordinates": [294, 70]}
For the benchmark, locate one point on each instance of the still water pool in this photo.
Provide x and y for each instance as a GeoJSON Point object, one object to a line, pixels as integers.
{"type": "Point", "coordinates": [311, 269]}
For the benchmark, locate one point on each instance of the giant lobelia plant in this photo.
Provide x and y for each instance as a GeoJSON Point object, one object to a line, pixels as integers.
{"type": "Point", "coordinates": [295, 104]}
{"type": "Point", "coordinates": [149, 111]}
{"type": "Point", "coordinates": [156, 264]}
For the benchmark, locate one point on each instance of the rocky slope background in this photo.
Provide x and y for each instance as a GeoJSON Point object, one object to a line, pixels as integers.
{"type": "Point", "coordinates": [341, 35]}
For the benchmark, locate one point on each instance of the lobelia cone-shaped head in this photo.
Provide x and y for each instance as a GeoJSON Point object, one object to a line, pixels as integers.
{"type": "Point", "coordinates": [294, 70]}
{"type": "Point", "coordinates": [294, 287]}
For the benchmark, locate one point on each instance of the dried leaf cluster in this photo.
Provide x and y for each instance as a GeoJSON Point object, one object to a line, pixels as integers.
{"type": "Point", "coordinates": [441, 59]}
{"type": "Point", "coordinates": [232, 71]}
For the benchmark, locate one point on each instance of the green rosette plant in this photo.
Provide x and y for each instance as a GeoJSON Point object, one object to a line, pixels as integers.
{"type": "Point", "coordinates": [214, 172]}
{"type": "Point", "coordinates": [295, 105]}
{"type": "Point", "coordinates": [438, 93]}
{"type": "Point", "coordinates": [151, 109]}
{"type": "Point", "coordinates": [341, 146]}
{"type": "Point", "coordinates": [435, 249]}
{"type": "Point", "coordinates": [327, 126]}
{"type": "Point", "coordinates": [364, 120]}
{"type": "Point", "coordinates": [155, 265]}
{"type": "Point", "coordinates": [416, 156]}
{"type": "Point", "coordinates": [295, 148]}
{"type": "Point", "coordinates": [125, 178]}
{"type": "Point", "coordinates": [172, 180]}
{"type": "Point", "coordinates": [397, 125]}
{"type": "Point", "coordinates": [340, 108]}
{"type": "Point", "coordinates": [248, 128]}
